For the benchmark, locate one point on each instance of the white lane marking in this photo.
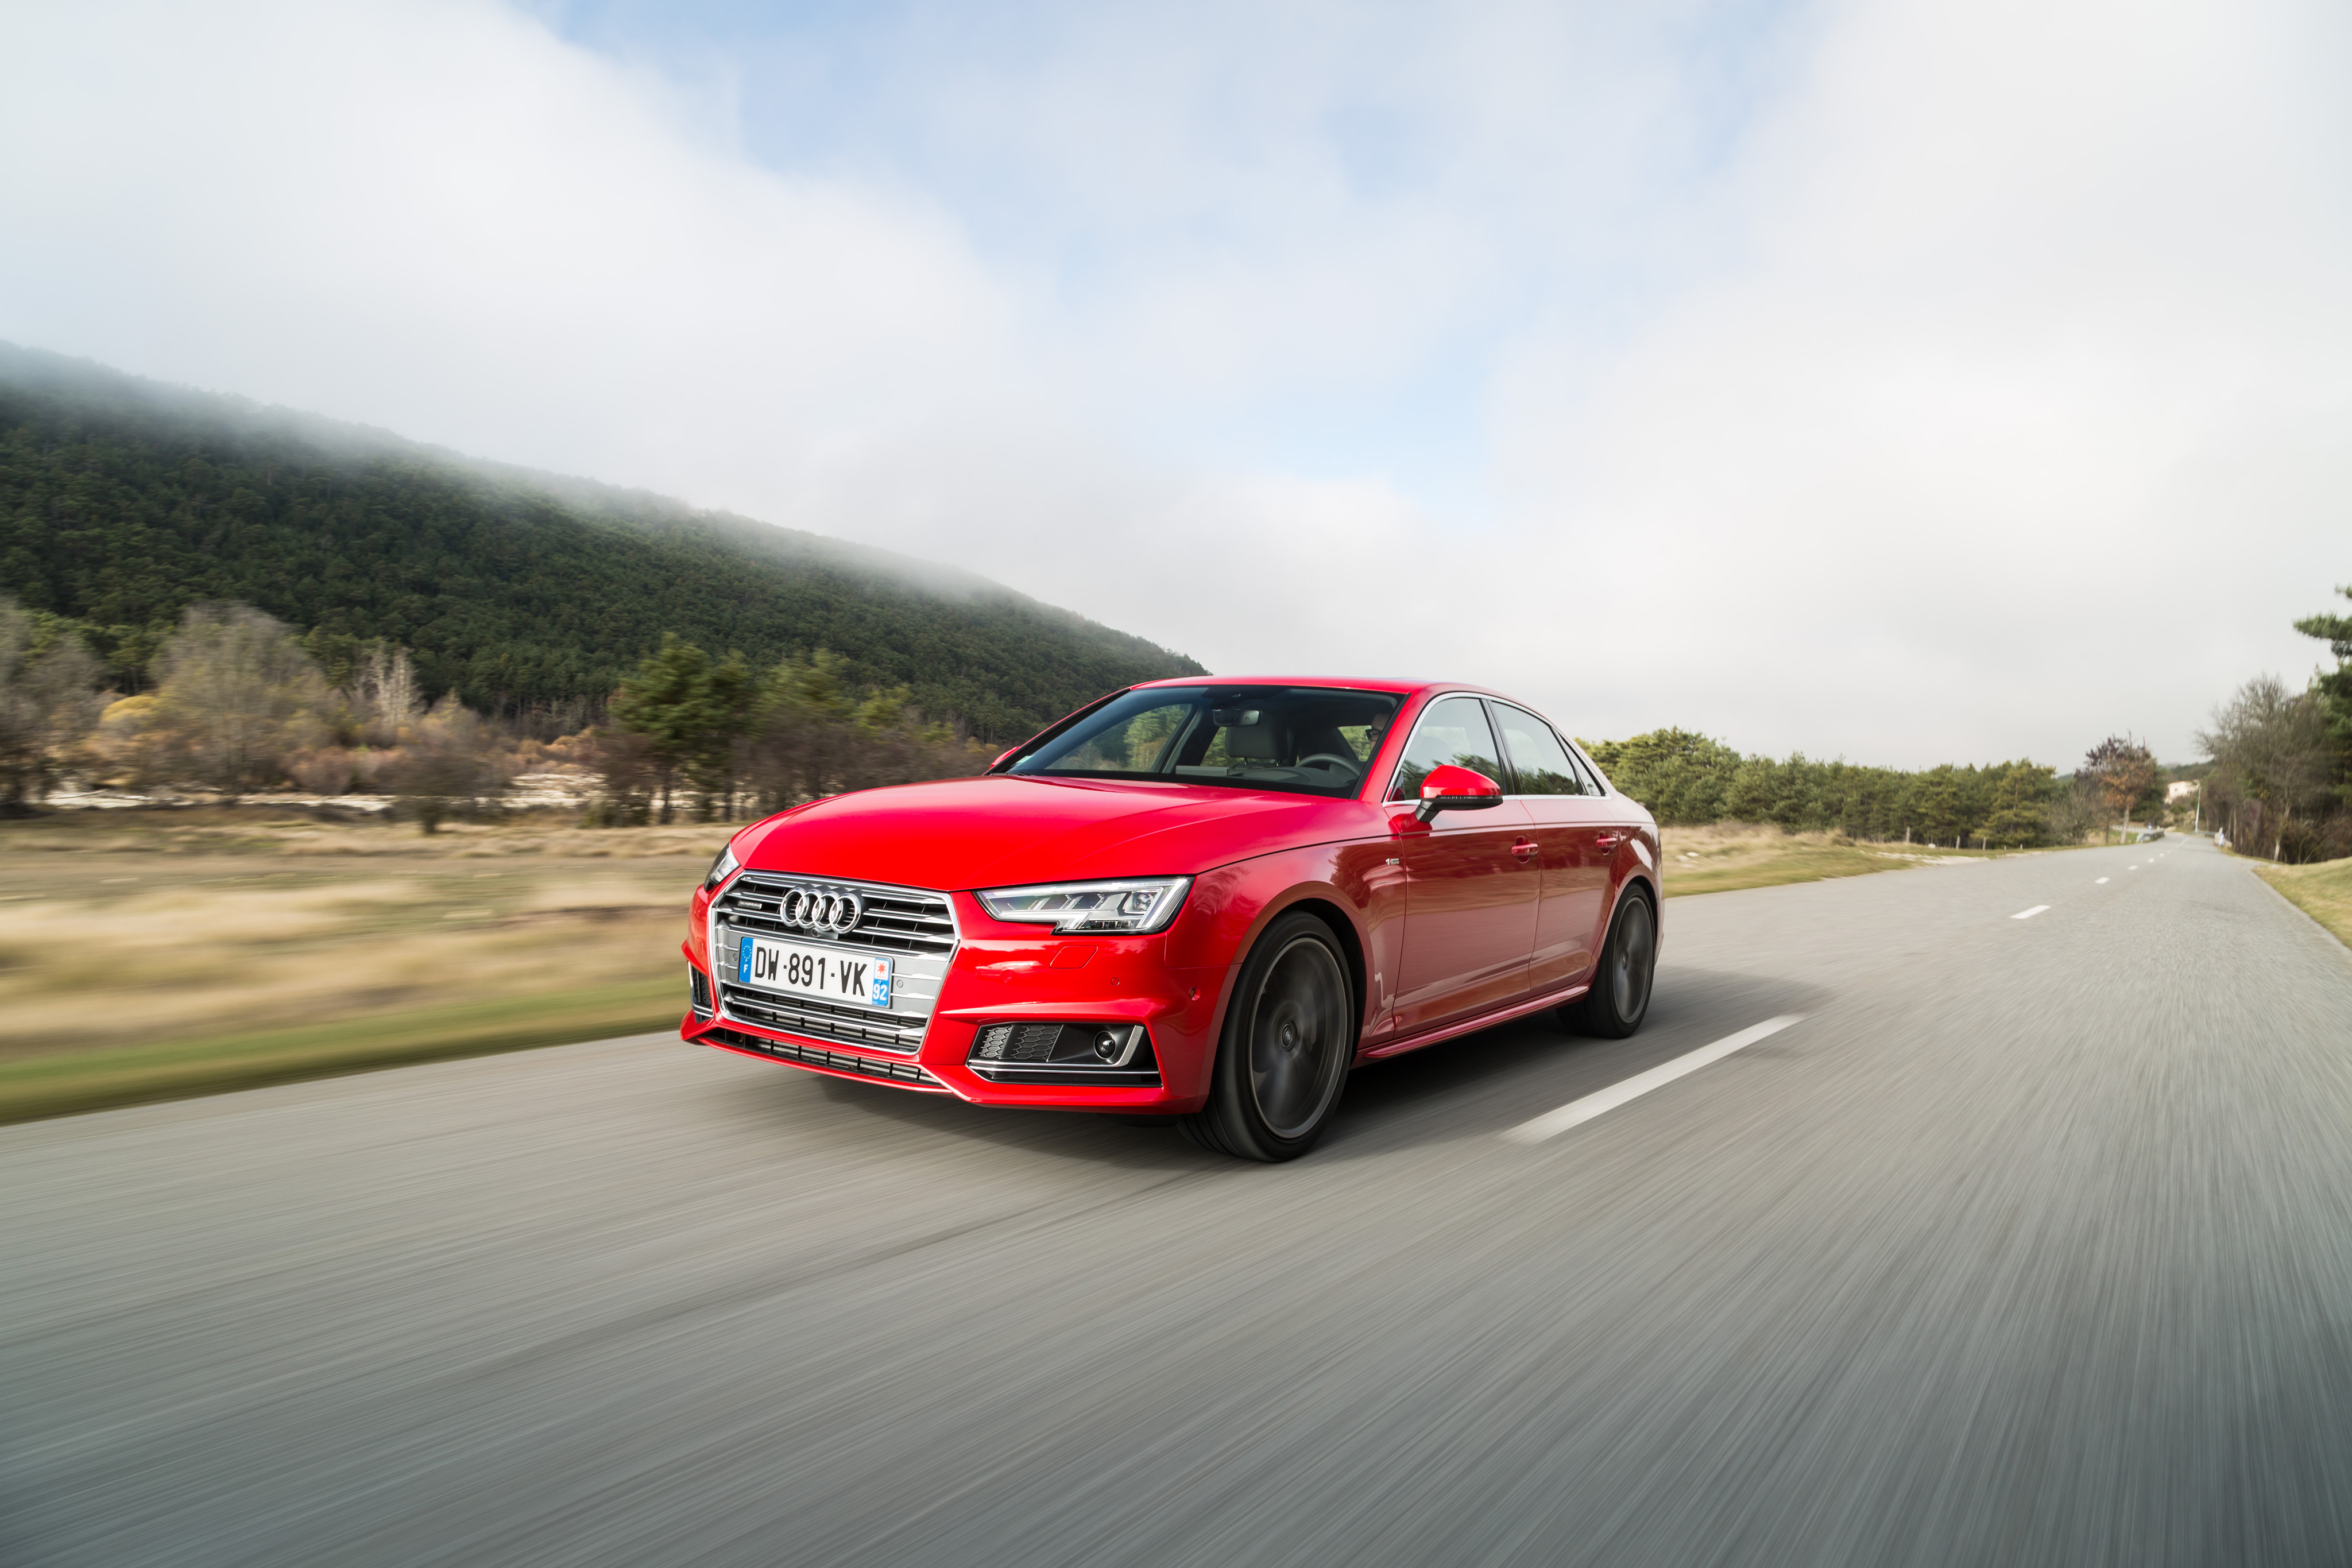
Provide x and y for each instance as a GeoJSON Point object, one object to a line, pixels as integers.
{"type": "Point", "coordinates": [1577, 1112]}
{"type": "Point", "coordinates": [2029, 914]}
{"type": "Point", "coordinates": [2102, 879]}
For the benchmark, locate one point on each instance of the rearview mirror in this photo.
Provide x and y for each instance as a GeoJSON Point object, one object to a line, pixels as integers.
{"type": "Point", "coordinates": [1452, 788]}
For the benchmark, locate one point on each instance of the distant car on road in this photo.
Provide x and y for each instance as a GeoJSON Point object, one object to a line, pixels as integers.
{"type": "Point", "coordinates": [1208, 899]}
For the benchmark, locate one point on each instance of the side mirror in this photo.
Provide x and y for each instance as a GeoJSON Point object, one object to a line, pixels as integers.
{"type": "Point", "coordinates": [1452, 788]}
{"type": "Point", "coordinates": [1002, 757]}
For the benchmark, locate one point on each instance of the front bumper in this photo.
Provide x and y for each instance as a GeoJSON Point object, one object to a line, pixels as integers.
{"type": "Point", "coordinates": [1011, 975]}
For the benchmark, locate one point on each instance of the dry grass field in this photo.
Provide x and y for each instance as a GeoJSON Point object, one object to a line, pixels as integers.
{"type": "Point", "coordinates": [2323, 890]}
{"type": "Point", "coordinates": [151, 954]}
{"type": "Point", "coordinates": [1730, 855]}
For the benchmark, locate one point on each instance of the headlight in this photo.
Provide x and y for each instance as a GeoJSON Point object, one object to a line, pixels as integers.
{"type": "Point", "coordinates": [1129, 907]}
{"type": "Point", "coordinates": [725, 866]}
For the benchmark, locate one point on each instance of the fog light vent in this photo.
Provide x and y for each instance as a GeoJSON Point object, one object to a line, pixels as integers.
{"type": "Point", "coordinates": [1019, 1042]}
{"type": "Point", "coordinates": [1104, 1053]}
{"type": "Point", "coordinates": [700, 985]}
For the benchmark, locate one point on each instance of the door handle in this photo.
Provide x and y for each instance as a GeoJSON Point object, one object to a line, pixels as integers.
{"type": "Point", "coordinates": [1523, 848]}
{"type": "Point", "coordinates": [1606, 840]}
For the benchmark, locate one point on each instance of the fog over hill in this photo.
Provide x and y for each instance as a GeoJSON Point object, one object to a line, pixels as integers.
{"type": "Point", "coordinates": [124, 500]}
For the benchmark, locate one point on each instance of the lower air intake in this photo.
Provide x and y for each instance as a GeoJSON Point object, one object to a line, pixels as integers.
{"type": "Point", "coordinates": [1106, 1054]}
{"type": "Point", "coordinates": [816, 1056]}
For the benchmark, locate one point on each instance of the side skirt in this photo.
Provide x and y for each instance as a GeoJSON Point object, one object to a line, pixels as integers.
{"type": "Point", "coordinates": [1471, 1024]}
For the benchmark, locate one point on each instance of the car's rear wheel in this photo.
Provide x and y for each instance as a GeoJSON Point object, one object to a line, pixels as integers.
{"type": "Point", "coordinates": [1289, 1040]}
{"type": "Point", "coordinates": [1619, 997]}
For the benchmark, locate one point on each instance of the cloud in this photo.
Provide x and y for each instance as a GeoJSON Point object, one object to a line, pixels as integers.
{"type": "Point", "coordinates": [438, 218]}
{"type": "Point", "coordinates": [2012, 421]}
{"type": "Point", "coordinates": [1896, 380]}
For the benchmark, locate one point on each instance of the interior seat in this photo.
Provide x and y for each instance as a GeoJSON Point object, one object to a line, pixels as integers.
{"type": "Point", "coordinates": [1260, 742]}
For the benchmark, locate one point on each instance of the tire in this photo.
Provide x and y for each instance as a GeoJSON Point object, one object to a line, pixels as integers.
{"type": "Point", "coordinates": [1289, 1040]}
{"type": "Point", "coordinates": [1619, 997]}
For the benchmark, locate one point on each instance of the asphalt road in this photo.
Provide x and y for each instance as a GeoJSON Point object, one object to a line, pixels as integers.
{"type": "Point", "coordinates": [2032, 1243]}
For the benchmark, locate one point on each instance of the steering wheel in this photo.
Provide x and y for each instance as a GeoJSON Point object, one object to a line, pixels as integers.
{"type": "Point", "coordinates": [1353, 768]}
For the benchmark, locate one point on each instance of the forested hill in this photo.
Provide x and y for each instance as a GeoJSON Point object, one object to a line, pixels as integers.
{"type": "Point", "coordinates": [122, 501]}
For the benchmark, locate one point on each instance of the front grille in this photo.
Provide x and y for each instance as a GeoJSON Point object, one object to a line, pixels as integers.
{"type": "Point", "coordinates": [896, 919]}
{"type": "Point", "coordinates": [839, 1061]}
{"type": "Point", "coordinates": [915, 926]}
{"type": "Point", "coordinates": [823, 1019]}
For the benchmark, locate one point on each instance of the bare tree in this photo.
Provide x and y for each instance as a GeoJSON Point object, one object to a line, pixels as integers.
{"type": "Point", "coordinates": [2273, 765]}
{"type": "Point", "coordinates": [2075, 811]}
{"type": "Point", "coordinates": [237, 696]}
{"type": "Point", "coordinates": [384, 695]}
{"type": "Point", "coordinates": [624, 762]}
{"type": "Point", "coordinates": [450, 764]}
{"type": "Point", "coordinates": [48, 701]}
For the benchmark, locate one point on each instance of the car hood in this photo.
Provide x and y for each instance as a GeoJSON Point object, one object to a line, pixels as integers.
{"type": "Point", "coordinates": [1003, 830]}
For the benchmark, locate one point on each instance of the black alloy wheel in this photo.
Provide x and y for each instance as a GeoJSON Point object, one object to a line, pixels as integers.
{"type": "Point", "coordinates": [1619, 997]}
{"type": "Point", "coordinates": [1289, 1040]}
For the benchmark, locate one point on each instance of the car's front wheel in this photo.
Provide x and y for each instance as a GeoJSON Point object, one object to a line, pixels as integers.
{"type": "Point", "coordinates": [1289, 1039]}
{"type": "Point", "coordinates": [1619, 997]}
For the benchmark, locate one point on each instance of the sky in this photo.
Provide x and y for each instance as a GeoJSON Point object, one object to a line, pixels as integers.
{"type": "Point", "coordinates": [1897, 381]}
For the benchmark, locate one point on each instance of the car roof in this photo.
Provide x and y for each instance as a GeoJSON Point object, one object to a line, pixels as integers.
{"type": "Point", "coordinates": [1377, 684]}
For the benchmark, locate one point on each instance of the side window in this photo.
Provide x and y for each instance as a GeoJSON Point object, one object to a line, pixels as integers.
{"type": "Point", "coordinates": [1542, 763]}
{"type": "Point", "coordinates": [1592, 784]}
{"type": "Point", "coordinates": [1452, 730]}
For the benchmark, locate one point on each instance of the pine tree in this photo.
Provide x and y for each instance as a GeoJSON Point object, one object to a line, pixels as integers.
{"type": "Point", "coordinates": [2334, 687]}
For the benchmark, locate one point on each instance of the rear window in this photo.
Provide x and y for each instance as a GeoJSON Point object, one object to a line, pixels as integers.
{"type": "Point", "coordinates": [1541, 764]}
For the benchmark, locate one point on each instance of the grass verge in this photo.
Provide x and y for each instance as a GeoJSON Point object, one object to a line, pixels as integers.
{"type": "Point", "coordinates": [64, 1084]}
{"type": "Point", "coordinates": [1724, 858]}
{"type": "Point", "coordinates": [271, 947]}
{"type": "Point", "coordinates": [2323, 890]}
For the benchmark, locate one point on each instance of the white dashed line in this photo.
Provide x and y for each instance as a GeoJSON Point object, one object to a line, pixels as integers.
{"type": "Point", "coordinates": [2102, 879]}
{"type": "Point", "coordinates": [1577, 1112]}
{"type": "Point", "coordinates": [2029, 914]}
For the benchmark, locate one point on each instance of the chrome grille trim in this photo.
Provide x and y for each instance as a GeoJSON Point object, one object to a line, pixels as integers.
{"type": "Point", "coordinates": [916, 926]}
{"type": "Point", "coordinates": [1071, 1073]}
{"type": "Point", "coordinates": [818, 1020]}
{"type": "Point", "coordinates": [896, 920]}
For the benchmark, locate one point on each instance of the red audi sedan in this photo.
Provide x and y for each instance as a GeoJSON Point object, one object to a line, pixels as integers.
{"type": "Point", "coordinates": [1204, 898]}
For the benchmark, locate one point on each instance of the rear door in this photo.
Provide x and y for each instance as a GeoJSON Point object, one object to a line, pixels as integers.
{"type": "Point", "coordinates": [1472, 882]}
{"type": "Point", "coordinates": [1569, 821]}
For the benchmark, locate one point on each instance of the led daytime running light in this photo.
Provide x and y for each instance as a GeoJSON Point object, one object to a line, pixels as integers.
{"type": "Point", "coordinates": [1129, 907]}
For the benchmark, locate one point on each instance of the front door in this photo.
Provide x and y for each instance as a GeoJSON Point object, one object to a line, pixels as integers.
{"type": "Point", "coordinates": [1472, 881]}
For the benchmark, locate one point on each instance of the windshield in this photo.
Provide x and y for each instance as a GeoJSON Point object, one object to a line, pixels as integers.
{"type": "Point", "coordinates": [1314, 740]}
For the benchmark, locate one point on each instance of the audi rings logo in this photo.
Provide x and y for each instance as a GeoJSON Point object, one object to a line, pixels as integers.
{"type": "Point", "coordinates": [822, 910]}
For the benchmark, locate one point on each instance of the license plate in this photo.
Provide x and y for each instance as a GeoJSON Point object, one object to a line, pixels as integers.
{"type": "Point", "coordinates": [813, 972]}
